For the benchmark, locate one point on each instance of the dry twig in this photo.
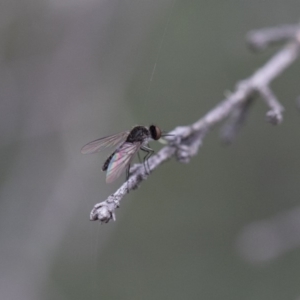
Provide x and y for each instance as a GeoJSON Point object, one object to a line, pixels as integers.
{"type": "Point", "coordinates": [186, 140]}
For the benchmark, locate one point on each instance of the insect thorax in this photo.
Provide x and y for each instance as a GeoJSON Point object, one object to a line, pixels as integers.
{"type": "Point", "coordinates": [138, 134]}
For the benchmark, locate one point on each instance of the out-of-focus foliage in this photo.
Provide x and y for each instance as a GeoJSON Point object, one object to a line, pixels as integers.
{"type": "Point", "coordinates": [225, 226]}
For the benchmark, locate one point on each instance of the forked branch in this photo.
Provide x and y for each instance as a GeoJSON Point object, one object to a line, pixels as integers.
{"type": "Point", "coordinates": [186, 140]}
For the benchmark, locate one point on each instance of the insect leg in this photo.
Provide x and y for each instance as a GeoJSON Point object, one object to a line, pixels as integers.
{"type": "Point", "coordinates": [139, 156]}
{"type": "Point", "coordinates": [149, 152]}
{"type": "Point", "coordinates": [127, 172]}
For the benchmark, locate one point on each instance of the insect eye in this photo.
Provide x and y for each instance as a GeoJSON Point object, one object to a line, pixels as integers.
{"type": "Point", "coordinates": [155, 132]}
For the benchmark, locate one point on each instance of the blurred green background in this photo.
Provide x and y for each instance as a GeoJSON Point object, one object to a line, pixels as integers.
{"type": "Point", "coordinates": [225, 226]}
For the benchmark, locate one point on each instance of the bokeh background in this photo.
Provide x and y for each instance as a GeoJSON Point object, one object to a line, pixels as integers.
{"type": "Point", "coordinates": [225, 226]}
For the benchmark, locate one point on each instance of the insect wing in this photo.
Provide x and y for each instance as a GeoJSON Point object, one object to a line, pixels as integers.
{"type": "Point", "coordinates": [104, 142]}
{"type": "Point", "coordinates": [120, 160]}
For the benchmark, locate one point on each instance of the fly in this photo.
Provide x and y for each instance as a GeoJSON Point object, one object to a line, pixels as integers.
{"type": "Point", "coordinates": [127, 143]}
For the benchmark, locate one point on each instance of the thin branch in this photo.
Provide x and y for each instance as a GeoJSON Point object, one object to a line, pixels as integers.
{"type": "Point", "coordinates": [186, 140]}
{"type": "Point", "coordinates": [235, 121]}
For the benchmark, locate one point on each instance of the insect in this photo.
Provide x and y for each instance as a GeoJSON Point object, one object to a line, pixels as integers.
{"type": "Point", "coordinates": [128, 143]}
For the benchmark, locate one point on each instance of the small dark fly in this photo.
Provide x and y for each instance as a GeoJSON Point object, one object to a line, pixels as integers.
{"type": "Point", "coordinates": [127, 143]}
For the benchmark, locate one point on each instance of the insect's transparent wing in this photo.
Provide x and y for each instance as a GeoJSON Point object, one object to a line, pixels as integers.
{"type": "Point", "coordinates": [120, 160]}
{"type": "Point", "coordinates": [104, 142]}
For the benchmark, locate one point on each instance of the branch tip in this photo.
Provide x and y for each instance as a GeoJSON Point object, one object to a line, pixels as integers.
{"type": "Point", "coordinates": [259, 40]}
{"type": "Point", "coordinates": [274, 117]}
{"type": "Point", "coordinates": [102, 213]}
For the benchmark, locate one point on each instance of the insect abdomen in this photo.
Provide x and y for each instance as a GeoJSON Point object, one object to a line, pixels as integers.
{"type": "Point", "coordinates": [105, 165]}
